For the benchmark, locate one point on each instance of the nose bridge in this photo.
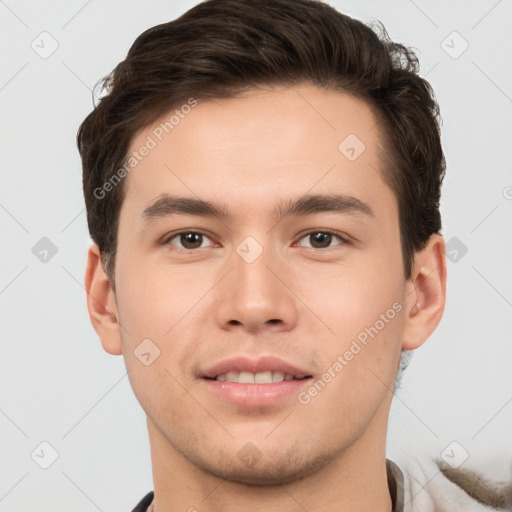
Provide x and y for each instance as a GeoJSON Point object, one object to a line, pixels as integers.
{"type": "Point", "coordinates": [252, 277]}
{"type": "Point", "coordinates": [253, 295]}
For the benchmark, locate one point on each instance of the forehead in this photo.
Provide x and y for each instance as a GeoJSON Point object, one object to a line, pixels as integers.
{"type": "Point", "coordinates": [260, 147]}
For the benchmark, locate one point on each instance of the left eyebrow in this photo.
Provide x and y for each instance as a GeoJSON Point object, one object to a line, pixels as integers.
{"type": "Point", "coordinates": [167, 205]}
{"type": "Point", "coordinates": [320, 203]}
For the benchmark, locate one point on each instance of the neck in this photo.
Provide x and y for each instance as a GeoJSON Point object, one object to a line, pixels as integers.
{"type": "Point", "coordinates": [356, 480]}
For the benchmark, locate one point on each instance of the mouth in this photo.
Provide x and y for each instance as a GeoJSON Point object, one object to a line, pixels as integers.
{"type": "Point", "coordinates": [265, 377]}
{"type": "Point", "coordinates": [245, 370]}
{"type": "Point", "coordinates": [248, 382]}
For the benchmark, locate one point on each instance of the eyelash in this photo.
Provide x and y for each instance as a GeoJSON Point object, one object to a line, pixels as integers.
{"type": "Point", "coordinates": [167, 241]}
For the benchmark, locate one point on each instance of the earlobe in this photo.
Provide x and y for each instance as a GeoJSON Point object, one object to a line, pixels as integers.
{"type": "Point", "coordinates": [101, 303]}
{"type": "Point", "coordinates": [426, 294]}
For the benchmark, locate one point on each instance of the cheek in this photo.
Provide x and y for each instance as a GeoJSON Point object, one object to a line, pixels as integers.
{"type": "Point", "coordinates": [362, 322]}
{"type": "Point", "coordinates": [163, 311]}
{"type": "Point", "coordinates": [347, 297]}
{"type": "Point", "coordinates": [153, 299]}
{"type": "Point", "coordinates": [360, 370]}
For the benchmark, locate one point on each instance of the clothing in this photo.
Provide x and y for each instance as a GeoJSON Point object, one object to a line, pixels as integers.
{"type": "Point", "coordinates": [144, 503]}
{"type": "Point", "coordinates": [395, 485]}
{"type": "Point", "coordinates": [426, 489]}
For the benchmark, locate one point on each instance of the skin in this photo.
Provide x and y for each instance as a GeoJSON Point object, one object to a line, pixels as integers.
{"type": "Point", "coordinates": [303, 302]}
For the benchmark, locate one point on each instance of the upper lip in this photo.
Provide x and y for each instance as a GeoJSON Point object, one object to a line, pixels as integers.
{"type": "Point", "coordinates": [246, 364]}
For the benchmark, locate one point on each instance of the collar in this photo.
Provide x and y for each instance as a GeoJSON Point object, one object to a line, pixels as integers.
{"type": "Point", "coordinates": [395, 485]}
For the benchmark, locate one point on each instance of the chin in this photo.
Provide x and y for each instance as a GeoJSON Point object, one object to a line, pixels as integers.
{"type": "Point", "coordinates": [250, 466]}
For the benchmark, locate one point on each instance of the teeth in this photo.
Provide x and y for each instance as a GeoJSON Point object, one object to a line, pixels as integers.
{"type": "Point", "coordinates": [262, 378]}
{"type": "Point", "coordinates": [254, 378]}
{"type": "Point", "coordinates": [231, 377]}
{"type": "Point", "coordinates": [277, 376]}
{"type": "Point", "coordinates": [246, 378]}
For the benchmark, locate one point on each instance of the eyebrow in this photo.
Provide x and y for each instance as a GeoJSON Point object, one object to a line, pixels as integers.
{"type": "Point", "coordinates": [167, 205]}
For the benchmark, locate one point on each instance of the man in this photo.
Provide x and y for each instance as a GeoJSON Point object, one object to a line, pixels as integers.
{"type": "Point", "coordinates": [262, 182]}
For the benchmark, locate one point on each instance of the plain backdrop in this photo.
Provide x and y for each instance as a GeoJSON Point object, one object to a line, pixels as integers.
{"type": "Point", "coordinates": [59, 387]}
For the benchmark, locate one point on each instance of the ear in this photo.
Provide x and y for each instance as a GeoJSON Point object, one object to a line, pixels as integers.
{"type": "Point", "coordinates": [101, 303]}
{"type": "Point", "coordinates": [426, 293]}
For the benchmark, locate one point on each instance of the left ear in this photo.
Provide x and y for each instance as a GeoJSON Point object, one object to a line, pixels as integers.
{"type": "Point", "coordinates": [426, 293]}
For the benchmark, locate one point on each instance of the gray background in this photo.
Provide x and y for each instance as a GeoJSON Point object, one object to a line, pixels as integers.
{"type": "Point", "coordinates": [59, 386]}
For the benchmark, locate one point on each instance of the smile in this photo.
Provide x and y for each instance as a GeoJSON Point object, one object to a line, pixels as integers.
{"type": "Point", "coordinates": [267, 377]}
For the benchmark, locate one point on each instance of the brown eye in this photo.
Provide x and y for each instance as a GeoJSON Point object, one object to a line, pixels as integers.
{"type": "Point", "coordinates": [322, 239]}
{"type": "Point", "coordinates": [188, 240]}
{"type": "Point", "coordinates": [191, 240]}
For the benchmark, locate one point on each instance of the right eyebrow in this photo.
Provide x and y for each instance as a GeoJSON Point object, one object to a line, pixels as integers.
{"type": "Point", "coordinates": [169, 205]}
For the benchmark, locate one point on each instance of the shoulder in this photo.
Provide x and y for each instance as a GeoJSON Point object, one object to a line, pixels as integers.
{"type": "Point", "coordinates": [433, 486]}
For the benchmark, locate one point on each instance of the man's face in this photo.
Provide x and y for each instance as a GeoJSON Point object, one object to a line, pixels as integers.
{"type": "Point", "coordinates": [259, 291]}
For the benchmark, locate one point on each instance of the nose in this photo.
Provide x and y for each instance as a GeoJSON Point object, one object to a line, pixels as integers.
{"type": "Point", "coordinates": [257, 295]}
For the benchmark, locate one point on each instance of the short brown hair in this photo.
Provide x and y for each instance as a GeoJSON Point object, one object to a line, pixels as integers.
{"type": "Point", "coordinates": [221, 48]}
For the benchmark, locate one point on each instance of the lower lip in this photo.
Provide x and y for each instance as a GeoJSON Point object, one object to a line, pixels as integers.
{"type": "Point", "coordinates": [256, 395]}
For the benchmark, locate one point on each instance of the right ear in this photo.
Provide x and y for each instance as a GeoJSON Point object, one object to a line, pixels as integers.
{"type": "Point", "coordinates": [101, 303]}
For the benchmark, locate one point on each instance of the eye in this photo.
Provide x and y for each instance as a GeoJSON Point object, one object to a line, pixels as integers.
{"type": "Point", "coordinates": [189, 240]}
{"type": "Point", "coordinates": [322, 239]}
